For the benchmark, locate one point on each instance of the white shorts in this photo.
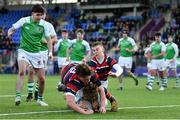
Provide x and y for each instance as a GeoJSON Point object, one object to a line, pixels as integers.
{"type": "Point", "coordinates": [125, 62]}
{"type": "Point", "coordinates": [149, 65]}
{"type": "Point", "coordinates": [44, 55]}
{"type": "Point", "coordinates": [34, 59]}
{"type": "Point", "coordinates": [79, 95]}
{"type": "Point", "coordinates": [79, 62]}
{"type": "Point", "coordinates": [171, 64]}
{"type": "Point", "coordinates": [158, 64]}
{"type": "Point", "coordinates": [105, 83]}
{"type": "Point", "coordinates": [62, 62]}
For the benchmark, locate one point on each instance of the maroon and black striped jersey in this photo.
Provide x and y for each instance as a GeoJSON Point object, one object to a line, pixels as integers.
{"type": "Point", "coordinates": [71, 80]}
{"type": "Point", "coordinates": [102, 69]}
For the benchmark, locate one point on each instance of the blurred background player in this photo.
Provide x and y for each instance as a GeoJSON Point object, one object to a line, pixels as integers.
{"type": "Point", "coordinates": [170, 59]}
{"type": "Point", "coordinates": [156, 54]}
{"type": "Point", "coordinates": [61, 47]}
{"type": "Point", "coordinates": [127, 47]}
{"type": "Point", "coordinates": [33, 29]}
{"type": "Point", "coordinates": [44, 53]}
{"type": "Point", "coordinates": [79, 50]}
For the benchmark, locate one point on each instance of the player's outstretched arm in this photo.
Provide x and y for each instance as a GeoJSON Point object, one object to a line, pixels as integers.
{"type": "Point", "coordinates": [102, 94]}
{"type": "Point", "coordinates": [71, 103]}
{"type": "Point", "coordinates": [10, 32]}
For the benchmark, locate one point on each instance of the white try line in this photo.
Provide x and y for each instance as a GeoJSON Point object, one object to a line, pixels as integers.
{"type": "Point", "coordinates": [65, 111]}
{"type": "Point", "coordinates": [4, 96]}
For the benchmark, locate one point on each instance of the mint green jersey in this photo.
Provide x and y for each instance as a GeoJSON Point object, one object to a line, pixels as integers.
{"type": "Point", "coordinates": [61, 47]}
{"type": "Point", "coordinates": [31, 33]}
{"type": "Point", "coordinates": [171, 51]}
{"type": "Point", "coordinates": [156, 48]}
{"type": "Point", "coordinates": [124, 44]}
{"type": "Point", "coordinates": [78, 49]}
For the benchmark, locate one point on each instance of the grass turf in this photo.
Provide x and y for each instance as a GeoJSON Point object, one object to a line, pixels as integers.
{"type": "Point", "coordinates": [132, 96]}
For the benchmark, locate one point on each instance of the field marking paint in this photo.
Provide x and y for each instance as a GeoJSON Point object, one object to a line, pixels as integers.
{"type": "Point", "coordinates": [4, 96]}
{"type": "Point", "coordinates": [65, 111]}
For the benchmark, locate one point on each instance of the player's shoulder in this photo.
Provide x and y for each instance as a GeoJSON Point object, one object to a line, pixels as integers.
{"type": "Point", "coordinates": [85, 42]}
{"type": "Point", "coordinates": [174, 44]}
{"type": "Point", "coordinates": [161, 43]}
{"type": "Point", "coordinates": [26, 19]}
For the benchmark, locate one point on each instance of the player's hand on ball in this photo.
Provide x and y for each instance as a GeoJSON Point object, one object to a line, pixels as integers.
{"type": "Point", "coordinates": [102, 110]}
{"type": "Point", "coordinates": [89, 112]}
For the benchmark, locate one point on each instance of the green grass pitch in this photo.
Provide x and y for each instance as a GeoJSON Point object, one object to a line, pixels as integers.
{"type": "Point", "coordinates": [135, 102]}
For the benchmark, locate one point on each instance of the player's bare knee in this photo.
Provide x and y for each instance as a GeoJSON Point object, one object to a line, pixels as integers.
{"type": "Point", "coordinates": [41, 79]}
{"type": "Point", "coordinates": [21, 73]}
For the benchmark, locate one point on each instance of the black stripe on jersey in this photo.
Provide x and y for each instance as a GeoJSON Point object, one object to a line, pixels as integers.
{"type": "Point", "coordinates": [110, 61]}
{"type": "Point", "coordinates": [71, 91]}
{"type": "Point", "coordinates": [77, 83]}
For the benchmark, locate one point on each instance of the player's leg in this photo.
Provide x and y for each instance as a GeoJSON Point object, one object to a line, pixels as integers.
{"type": "Point", "coordinates": [150, 78]}
{"type": "Point", "coordinates": [175, 75]}
{"type": "Point", "coordinates": [31, 73]}
{"type": "Point", "coordinates": [41, 78]}
{"type": "Point", "coordinates": [163, 80]}
{"type": "Point", "coordinates": [122, 64]}
{"type": "Point", "coordinates": [36, 90]}
{"type": "Point", "coordinates": [128, 67]}
{"type": "Point", "coordinates": [162, 74]}
{"type": "Point", "coordinates": [128, 70]}
{"type": "Point", "coordinates": [19, 83]}
{"type": "Point", "coordinates": [113, 101]}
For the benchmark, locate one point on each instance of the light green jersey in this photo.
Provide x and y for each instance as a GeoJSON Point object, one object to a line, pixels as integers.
{"type": "Point", "coordinates": [78, 49]}
{"type": "Point", "coordinates": [171, 51]}
{"type": "Point", "coordinates": [62, 46]}
{"type": "Point", "coordinates": [156, 48]}
{"type": "Point", "coordinates": [124, 44]}
{"type": "Point", "coordinates": [31, 33]}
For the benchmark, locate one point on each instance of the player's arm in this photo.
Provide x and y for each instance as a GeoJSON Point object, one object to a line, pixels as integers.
{"type": "Point", "coordinates": [15, 26]}
{"type": "Point", "coordinates": [49, 44]}
{"type": "Point", "coordinates": [10, 32]}
{"type": "Point", "coordinates": [176, 51]}
{"type": "Point", "coordinates": [87, 56]}
{"type": "Point", "coordinates": [147, 53]}
{"type": "Point", "coordinates": [88, 53]}
{"type": "Point", "coordinates": [71, 103]}
{"type": "Point", "coordinates": [162, 53]}
{"type": "Point", "coordinates": [134, 49]}
{"type": "Point", "coordinates": [68, 51]}
{"type": "Point", "coordinates": [102, 109]}
{"type": "Point", "coordinates": [56, 46]}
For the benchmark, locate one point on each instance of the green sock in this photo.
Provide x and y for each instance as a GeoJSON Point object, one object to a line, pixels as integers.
{"type": "Point", "coordinates": [18, 94]}
{"type": "Point", "coordinates": [40, 97]}
{"type": "Point", "coordinates": [30, 87]}
{"type": "Point", "coordinates": [37, 87]}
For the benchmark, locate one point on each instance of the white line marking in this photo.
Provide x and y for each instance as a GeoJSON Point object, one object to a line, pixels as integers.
{"type": "Point", "coordinates": [65, 111]}
{"type": "Point", "coordinates": [3, 96]}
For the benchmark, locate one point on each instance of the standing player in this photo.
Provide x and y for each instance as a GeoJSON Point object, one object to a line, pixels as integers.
{"type": "Point", "coordinates": [103, 65]}
{"type": "Point", "coordinates": [44, 53]}
{"type": "Point", "coordinates": [79, 50]}
{"type": "Point", "coordinates": [170, 58]}
{"type": "Point", "coordinates": [32, 30]}
{"type": "Point", "coordinates": [75, 77]}
{"type": "Point", "coordinates": [156, 54]}
{"type": "Point", "coordinates": [127, 47]}
{"type": "Point", "coordinates": [61, 47]}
